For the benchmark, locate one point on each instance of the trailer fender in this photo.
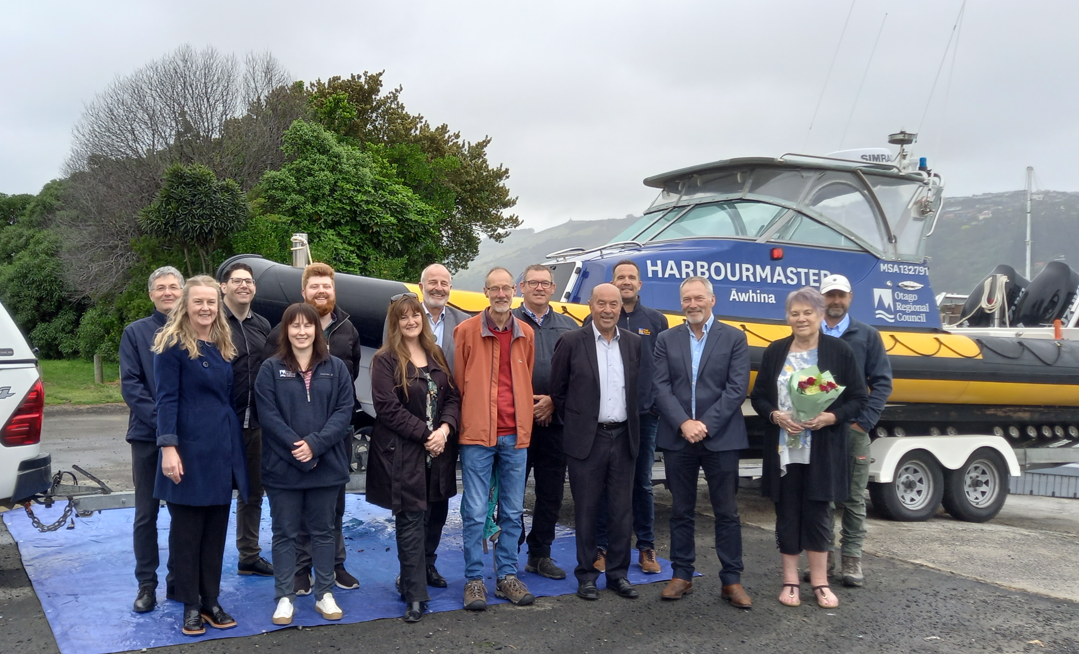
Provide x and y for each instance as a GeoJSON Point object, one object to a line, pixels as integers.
{"type": "Point", "coordinates": [951, 451]}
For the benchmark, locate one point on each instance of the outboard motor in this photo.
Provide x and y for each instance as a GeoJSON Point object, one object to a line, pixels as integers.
{"type": "Point", "coordinates": [1048, 296]}
{"type": "Point", "coordinates": [986, 294]}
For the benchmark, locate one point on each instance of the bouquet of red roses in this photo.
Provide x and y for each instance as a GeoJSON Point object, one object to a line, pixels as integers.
{"type": "Point", "coordinates": [812, 391]}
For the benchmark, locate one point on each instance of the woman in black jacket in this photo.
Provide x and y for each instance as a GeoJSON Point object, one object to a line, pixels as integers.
{"type": "Point", "coordinates": [304, 398]}
{"type": "Point", "coordinates": [805, 463]}
{"type": "Point", "coordinates": [413, 445]}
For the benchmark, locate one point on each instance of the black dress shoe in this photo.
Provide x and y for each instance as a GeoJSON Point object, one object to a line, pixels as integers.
{"type": "Point", "coordinates": [260, 567]}
{"type": "Point", "coordinates": [623, 588]}
{"type": "Point", "coordinates": [193, 625]}
{"type": "Point", "coordinates": [434, 579]}
{"type": "Point", "coordinates": [147, 599]}
{"type": "Point", "coordinates": [587, 590]}
{"type": "Point", "coordinates": [414, 611]}
{"type": "Point", "coordinates": [217, 617]}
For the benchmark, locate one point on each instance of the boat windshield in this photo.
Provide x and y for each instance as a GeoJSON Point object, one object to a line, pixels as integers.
{"type": "Point", "coordinates": [880, 211]}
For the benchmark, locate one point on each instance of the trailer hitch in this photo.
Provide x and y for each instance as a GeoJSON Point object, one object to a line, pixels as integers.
{"type": "Point", "coordinates": [60, 490]}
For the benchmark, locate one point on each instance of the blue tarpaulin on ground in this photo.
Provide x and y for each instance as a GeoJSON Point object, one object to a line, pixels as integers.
{"type": "Point", "coordinates": [85, 580]}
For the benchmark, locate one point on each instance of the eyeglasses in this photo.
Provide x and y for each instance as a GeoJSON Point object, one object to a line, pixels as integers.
{"type": "Point", "coordinates": [539, 283]}
{"type": "Point", "coordinates": [242, 281]}
{"type": "Point", "coordinates": [508, 290]}
{"type": "Point", "coordinates": [402, 295]}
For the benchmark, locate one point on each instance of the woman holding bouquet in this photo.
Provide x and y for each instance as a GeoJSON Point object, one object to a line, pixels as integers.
{"type": "Point", "coordinates": [805, 461]}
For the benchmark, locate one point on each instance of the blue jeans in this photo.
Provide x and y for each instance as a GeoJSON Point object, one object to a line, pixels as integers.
{"type": "Point", "coordinates": [477, 462]}
{"type": "Point", "coordinates": [644, 512]}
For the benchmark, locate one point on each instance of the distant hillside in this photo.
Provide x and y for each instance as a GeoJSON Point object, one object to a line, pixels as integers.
{"type": "Point", "coordinates": [527, 246]}
{"type": "Point", "coordinates": [975, 234]}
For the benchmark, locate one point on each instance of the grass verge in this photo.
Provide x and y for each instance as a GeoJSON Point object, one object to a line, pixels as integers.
{"type": "Point", "coordinates": [72, 382]}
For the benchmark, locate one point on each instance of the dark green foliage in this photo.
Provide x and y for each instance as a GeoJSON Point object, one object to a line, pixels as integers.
{"type": "Point", "coordinates": [12, 206]}
{"type": "Point", "coordinates": [195, 211]}
{"type": "Point", "coordinates": [449, 174]}
{"type": "Point", "coordinates": [359, 218]}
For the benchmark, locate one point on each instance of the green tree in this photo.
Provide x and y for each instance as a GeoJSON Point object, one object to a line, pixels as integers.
{"type": "Point", "coordinates": [195, 210]}
{"type": "Point", "coordinates": [450, 174]}
{"type": "Point", "coordinates": [357, 215]}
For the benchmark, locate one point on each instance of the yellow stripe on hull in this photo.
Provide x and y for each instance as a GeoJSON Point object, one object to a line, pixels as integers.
{"type": "Point", "coordinates": [899, 344]}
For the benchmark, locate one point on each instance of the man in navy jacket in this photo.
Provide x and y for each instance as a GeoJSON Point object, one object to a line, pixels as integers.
{"type": "Point", "coordinates": [702, 375]}
{"type": "Point", "coordinates": [140, 393]}
{"type": "Point", "coordinates": [872, 360]}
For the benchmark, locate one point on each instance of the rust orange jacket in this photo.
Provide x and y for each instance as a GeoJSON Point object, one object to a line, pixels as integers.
{"type": "Point", "coordinates": [476, 360]}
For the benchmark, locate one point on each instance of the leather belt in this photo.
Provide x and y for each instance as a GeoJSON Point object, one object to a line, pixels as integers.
{"type": "Point", "coordinates": [612, 426]}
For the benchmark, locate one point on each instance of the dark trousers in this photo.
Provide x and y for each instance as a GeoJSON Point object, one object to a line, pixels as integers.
{"type": "Point", "coordinates": [434, 520]}
{"type": "Point", "coordinates": [288, 509]}
{"type": "Point", "coordinates": [801, 523]}
{"type": "Point", "coordinates": [547, 462]}
{"type": "Point", "coordinates": [411, 552]}
{"type": "Point", "coordinates": [196, 547]}
{"type": "Point", "coordinates": [249, 509]}
{"type": "Point", "coordinates": [721, 473]}
{"type": "Point", "coordinates": [144, 473]}
{"type": "Point", "coordinates": [644, 512]}
{"type": "Point", "coordinates": [608, 467]}
{"type": "Point", "coordinates": [303, 540]}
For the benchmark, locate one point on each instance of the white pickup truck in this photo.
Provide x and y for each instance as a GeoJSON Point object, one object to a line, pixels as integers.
{"type": "Point", "coordinates": [24, 470]}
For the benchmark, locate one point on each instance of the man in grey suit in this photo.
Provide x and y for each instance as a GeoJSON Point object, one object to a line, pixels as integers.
{"type": "Point", "coordinates": [437, 284]}
{"type": "Point", "coordinates": [702, 375]}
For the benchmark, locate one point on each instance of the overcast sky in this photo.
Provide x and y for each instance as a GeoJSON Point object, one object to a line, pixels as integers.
{"type": "Point", "coordinates": [585, 99]}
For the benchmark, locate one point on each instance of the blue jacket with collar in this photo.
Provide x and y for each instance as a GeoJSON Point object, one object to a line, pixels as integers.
{"type": "Point", "coordinates": [322, 417]}
{"type": "Point", "coordinates": [873, 360]}
{"type": "Point", "coordinates": [195, 414]}
{"type": "Point", "coordinates": [137, 376]}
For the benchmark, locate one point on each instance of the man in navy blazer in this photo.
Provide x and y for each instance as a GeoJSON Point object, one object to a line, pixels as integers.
{"type": "Point", "coordinates": [702, 376]}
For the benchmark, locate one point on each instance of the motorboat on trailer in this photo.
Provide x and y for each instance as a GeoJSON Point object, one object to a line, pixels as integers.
{"type": "Point", "coordinates": [972, 403]}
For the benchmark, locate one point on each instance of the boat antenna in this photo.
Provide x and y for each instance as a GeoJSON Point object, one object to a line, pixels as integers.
{"type": "Point", "coordinates": [944, 58]}
{"type": "Point", "coordinates": [1030, 181]}
{"type": "Point", "coordinates": [862, 84]}
{"type": "Point", "coordinates": [948, 84]}
{"type": "Point", "coordinates": [835, 55]}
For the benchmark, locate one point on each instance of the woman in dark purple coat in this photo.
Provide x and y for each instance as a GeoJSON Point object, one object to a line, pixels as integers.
{"type": "Point", "coordinates": [413, 445]}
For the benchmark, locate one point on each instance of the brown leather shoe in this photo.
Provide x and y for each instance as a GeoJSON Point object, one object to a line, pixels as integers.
{"type": "Point", "coordinates": [601, 560]}
{"type": "Point", "coordinates": [676, 588]}
{"type": "Point", "coordinates": [737, 596]}
{"type": "Point", "coordinates": [648, 562]}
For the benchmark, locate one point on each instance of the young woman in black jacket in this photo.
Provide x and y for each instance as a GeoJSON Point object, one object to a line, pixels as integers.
{"type": "Point", "coordinates": [805, 463]}
{"type": "Point", "coordinates": [413, 446]}
{"type": "Point", "coordinates": [304, 398]}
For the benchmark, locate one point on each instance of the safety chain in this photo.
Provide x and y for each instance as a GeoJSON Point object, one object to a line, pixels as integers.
{"type": "Point", "coordinates": [54, 526]}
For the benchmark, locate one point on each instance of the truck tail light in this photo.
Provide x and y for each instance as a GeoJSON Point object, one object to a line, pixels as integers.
{"type": "Point", "coordinates": [24, 426]}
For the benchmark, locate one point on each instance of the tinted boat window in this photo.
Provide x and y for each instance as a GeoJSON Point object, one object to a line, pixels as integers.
{"type": "Point", "coordinates": [804, 230]}
{"type": "Point", "coordinates": [702, 220]}
{"type": "Point", "coordinates": [843, 202]}
{"type": "Point", "coordinates": [630, 233]}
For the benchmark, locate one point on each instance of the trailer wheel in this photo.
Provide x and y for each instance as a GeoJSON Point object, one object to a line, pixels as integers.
{"type": "Point", "coordinates": [977, 490]}
{"type": "Point", "coordinates": [915, 494]}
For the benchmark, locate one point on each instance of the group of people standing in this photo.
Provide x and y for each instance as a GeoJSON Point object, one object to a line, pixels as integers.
{"type": "Point", "coordinates": [509, 392]}
{"type": "Point", "coordinates": [220, 402]}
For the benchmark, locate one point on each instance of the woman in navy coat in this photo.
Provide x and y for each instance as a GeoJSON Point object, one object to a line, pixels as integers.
{"type": "Point", "coordinates": [202, 452]}
{"type": "Point", "coordinates": [305, 399]}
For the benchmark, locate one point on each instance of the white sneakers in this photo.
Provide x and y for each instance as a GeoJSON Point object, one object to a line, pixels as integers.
{"type": "Point", "coordinates": [283, 614]}
{"type": "Point", "coordinates": [328, 608]}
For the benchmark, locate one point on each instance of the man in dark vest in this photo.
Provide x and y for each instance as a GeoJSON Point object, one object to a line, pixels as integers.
{"type": "Point", "coordinates": [546, 456]}
{"type": "Point", "coordinates": [249, 331]}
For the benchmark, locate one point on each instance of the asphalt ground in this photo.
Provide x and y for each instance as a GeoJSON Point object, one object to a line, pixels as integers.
{"type": "Point", "coordinates": [941, 586]}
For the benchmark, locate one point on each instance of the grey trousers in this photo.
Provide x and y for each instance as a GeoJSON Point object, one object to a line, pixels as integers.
{"type": "Point", "coordinates": [288, 508]}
